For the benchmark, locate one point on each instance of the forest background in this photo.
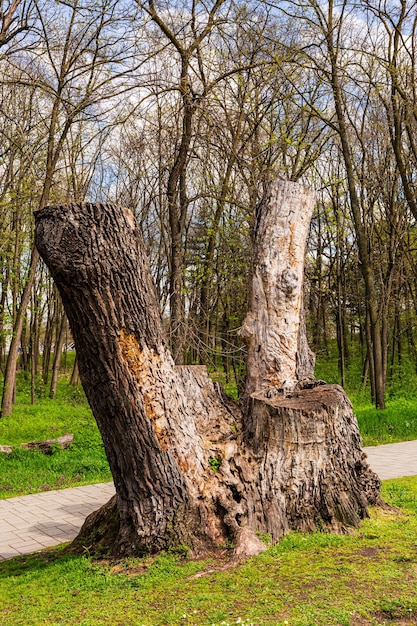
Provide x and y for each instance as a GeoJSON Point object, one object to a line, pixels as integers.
{"type": "Point", "coordinates": [182, 111]}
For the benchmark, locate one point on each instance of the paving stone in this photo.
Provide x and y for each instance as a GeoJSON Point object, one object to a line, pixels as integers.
{"type": "Point", "coordinates": [8, 552]}
{"type": "Point", "coordinates": [33, 522]}
{"type": "Point", "coordinates": [393, 460]}
{"type": "Point", "coordinates": [26, 545]}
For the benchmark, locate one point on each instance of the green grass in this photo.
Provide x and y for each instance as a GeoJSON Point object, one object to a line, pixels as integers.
{"type": "Point", "coordinates": [398, 422]}
{"type": "Point", "coordinates": [84, 462]}
{"type": "Point", "coordinates": [367, 577]}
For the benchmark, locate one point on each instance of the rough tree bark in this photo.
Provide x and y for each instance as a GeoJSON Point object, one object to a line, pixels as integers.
{"type": "Point", "coordinates": [188, 466]}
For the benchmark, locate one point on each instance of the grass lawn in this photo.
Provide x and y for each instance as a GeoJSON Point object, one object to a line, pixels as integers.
{"type": "Point", "coordinates": [367, 577]}
{"type": "Point", "coordinates": [83, 463]}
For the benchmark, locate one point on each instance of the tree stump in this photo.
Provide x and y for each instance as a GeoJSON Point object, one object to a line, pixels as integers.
{"type": "Point", "coordinates": [189, 466]}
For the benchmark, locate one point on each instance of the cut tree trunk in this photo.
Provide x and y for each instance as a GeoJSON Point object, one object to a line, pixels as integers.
{"type": "Point", "coordinates": [188, 466]}
{"type": "Point", "coordinates": [274, 329]}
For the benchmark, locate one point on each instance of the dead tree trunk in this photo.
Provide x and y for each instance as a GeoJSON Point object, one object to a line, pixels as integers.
{"type": "Point", "coordinates": [187, 466]}
{"type": "Point", "coordinates": [278, 353]}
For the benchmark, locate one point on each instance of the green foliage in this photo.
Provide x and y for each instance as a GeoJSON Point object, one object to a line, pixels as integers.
{"type": "Point", "coordinates": [181, 550]}
{"type": "Point", "coordinates": [398, 422]}
{"type": "Point", "coordinates": [315, 579]}
{"type": "Point", "coordinates": [214, 463]}
{"type": "Point", "coordinates": [265, 538]}
{"type": "Point", "coordinates": [230, 387]}
{"type": "Point", "coordinates": [401, 492]}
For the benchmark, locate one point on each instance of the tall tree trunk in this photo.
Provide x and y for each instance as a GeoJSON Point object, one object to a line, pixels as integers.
{"type": "Point", "coordinates": [361, 235]}
{"type": "Point", "coordinates": [177, 209]}
{"type": "Point", "coordinates": [74, 380]}
{"type": "Point", "coordinates": [3, 301]}
{"type": "Point", "coordinates": [278, 354]}
{"type": "Point", "coordinates": [187, 467]}
{"type": "Point", "coordinates": [52, 298]}
{"type": "Point", "coordinates": [9, 385]}
{"type": "Point", "coordinates": [34, 345]}
{"type": "Point", "coordinates": [59, 344]}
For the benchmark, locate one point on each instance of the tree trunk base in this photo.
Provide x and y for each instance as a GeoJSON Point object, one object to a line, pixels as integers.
{"type": "Point", "coordinates": [311, 449]}
{"type": "Point", "coordinates": [299, 465]}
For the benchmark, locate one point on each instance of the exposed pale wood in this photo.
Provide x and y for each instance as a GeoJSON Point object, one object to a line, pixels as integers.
{"type": "Point", "coordinates": [278, 354]}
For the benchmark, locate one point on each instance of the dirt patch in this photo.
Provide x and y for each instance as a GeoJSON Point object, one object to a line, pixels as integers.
{"type": "Point", "coordinates": [219, 561]}
{"type": "Point", "coordinates": [399, 617]}
{"type": "Point", "coordinates": [385, 618]}
{"type": "Point", "coordinates": [358, 620]}
{"type": "Point", "coordinates": [370, 553]}
{"type": "Point", "coordinates": [129, 571]}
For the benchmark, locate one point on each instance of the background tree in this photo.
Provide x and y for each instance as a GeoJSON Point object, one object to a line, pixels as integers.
{"type": "Point", "coordinates": [70, 81]}
{"type": "Point", "coordinates": [263, 104]}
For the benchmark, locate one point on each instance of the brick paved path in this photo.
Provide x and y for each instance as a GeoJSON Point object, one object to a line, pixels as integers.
{"type": "Point", "coordinates": [41, 520]}
{"type": "Point", "coordinates": [393, 460]}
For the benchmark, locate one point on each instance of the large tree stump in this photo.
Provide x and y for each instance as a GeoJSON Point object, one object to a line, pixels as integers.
{"type": "Point", "coordinates": [188, 466]}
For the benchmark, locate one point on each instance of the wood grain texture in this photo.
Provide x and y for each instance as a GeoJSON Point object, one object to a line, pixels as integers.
{"type": "Point", "coordinates": [278, 354]}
